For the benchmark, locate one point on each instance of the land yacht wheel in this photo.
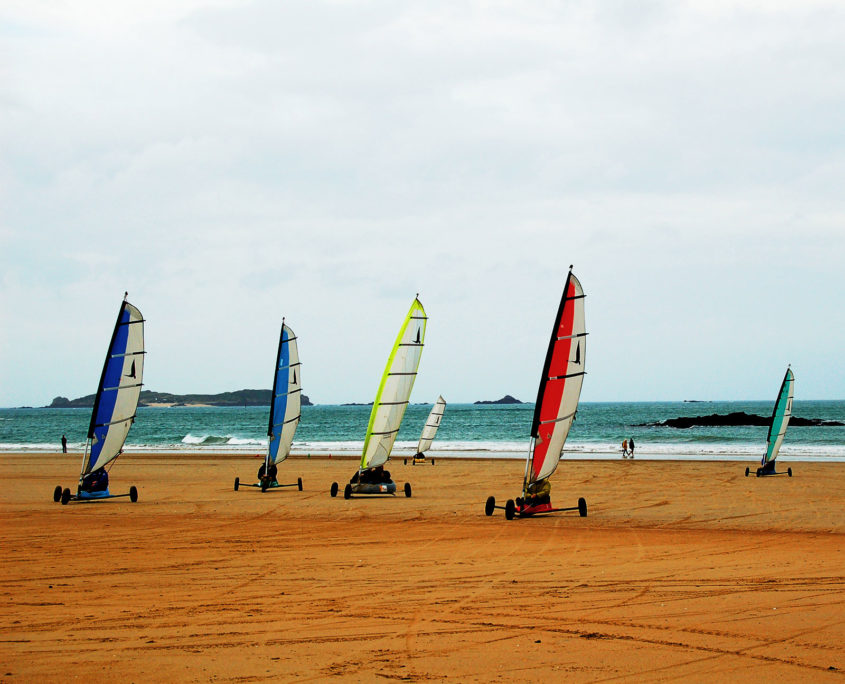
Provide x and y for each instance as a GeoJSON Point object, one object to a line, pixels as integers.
{"type": "Point", "coordinates": [789, 472]}
{"type": "Point", "coordinates": [347, 491]}
{"type": "Point", "coordinates": [510, 509]}
{"type": "Point", "coordinates": [747, 470]}
{"type": "Point", "coordinates": [333, 490]}
{"type": "Point", "coordinates": [265, 482]}
{"type": "Point", "coordinates": [582, 507]}
{"type": "Point", "coordinates": [65, 496]}
{"type": "Point", "coordinates": [133, 493]}
{"type": "Point", "coordinates": [432, 461]}
{"type": "Point", "coordinates": [237, 483]}
{"type": "Point", "coordinates": [408, 490]}
{"type": "Point", "coordinates": [57, 493]}
{"type": "Point", "coordinates": [299, 483]}
{"type": "Point", "coordinates": [404, 461]}
{"type": "Point", "coordinates": [489, 505]}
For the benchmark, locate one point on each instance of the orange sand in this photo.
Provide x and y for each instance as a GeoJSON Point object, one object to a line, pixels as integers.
{"type": "Point", "coordinates": [681, 571]}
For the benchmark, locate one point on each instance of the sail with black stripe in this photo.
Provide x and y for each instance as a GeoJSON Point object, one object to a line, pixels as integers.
{"type": "Point", "coordinates": [117, 395]}
{"type": "Point", "coordinates": [285, 401]}
{"type": "Point", "coordinates": [432, 423]}
{"type": "Point", "coordinates": [394, 391]}
{"type": "Point", "coordinates": [560, 383]}
{"type": "Point", "coordinates": [780, 417]}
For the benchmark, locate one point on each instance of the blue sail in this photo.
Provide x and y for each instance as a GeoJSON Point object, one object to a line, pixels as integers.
{"type": "Point", "coordinates": [117, 394]}
{"type": "Point", "coordinates": [285, 400]}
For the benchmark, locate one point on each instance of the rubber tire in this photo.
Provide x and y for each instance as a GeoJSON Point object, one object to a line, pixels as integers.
{"type": "Point", "coordinates": [489, 505]}
{"type": "Point", "coordinates": [404, 461]}
{"type": "Point", "coordinates": [432, 461]}
{"type": "Point", "coordinates": [347, 491]}
{"type": "Point", "coordinates": [133, 493]}
{"type": "Point", "coordinates": [57, 493]}
{"type": "Point", "coordinates": [333, 490]}
{"type": "Point", "coordinates": [510, 509]}
{"type": "Point", "coordinates": [407, 490]}
{"type": "Point", "coordinates": [789, 472]}
{"type": "Point", "coordinates": [237, 483]}
{"type": "Point", "coordinates": [299, 483]}
{"type": "Point", "coordinates": [65, 496]}
{"type": "Point", "coordinates": [747, 470]}
{"type": "Point", "coordinates": [582, 507]}
{"type": "Point", "coordinates": [520, 501]}
{"type": "Point", "coordinates": [759, 474]}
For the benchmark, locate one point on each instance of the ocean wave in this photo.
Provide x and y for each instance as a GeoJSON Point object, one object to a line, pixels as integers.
{"type": "Point", "coordinates": [217, 440]}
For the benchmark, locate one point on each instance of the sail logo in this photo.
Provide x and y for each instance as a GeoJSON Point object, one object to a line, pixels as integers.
{"type": "Point", "coordinates": [131, 373]}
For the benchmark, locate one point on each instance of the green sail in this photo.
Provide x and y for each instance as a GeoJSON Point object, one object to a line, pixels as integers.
{"type": "Point", "coordinates": [780, 417]}
{"type": "Point", "coordinates": [394, 391]}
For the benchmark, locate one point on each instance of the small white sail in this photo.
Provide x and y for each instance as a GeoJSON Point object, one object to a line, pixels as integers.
{"type": "Point", "coordinates": [430, 428]}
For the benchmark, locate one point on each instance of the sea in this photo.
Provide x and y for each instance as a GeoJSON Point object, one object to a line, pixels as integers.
{"type": "Point", "coordinates": [467, 431]}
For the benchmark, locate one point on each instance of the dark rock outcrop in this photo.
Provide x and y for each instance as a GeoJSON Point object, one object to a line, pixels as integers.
{"type": "Point", "coordinates": [507, 399]}
{"type": "Point", "coordinates": [245, 397]}
{"type": "Point", "coordinates": [737, 418]}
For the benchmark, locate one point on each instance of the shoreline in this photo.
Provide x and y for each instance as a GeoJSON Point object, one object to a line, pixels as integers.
{"type": "Point", "coordinates": [194, 452]}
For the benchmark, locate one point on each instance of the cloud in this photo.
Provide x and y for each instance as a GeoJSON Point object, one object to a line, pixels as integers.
{"type": "Point", "coordinates": [231, 163]}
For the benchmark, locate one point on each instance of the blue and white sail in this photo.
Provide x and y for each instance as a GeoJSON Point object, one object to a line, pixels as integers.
{"type": "Point", "coordinates": [285, 401]}
{"type": "Point", "coordinates": [118, 392]}
{"type": "Point", "coordinates": [780, 417]}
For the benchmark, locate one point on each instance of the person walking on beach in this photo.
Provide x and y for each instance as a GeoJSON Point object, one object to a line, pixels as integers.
{"type": "Point", "coordinates": [624, 448]}
{"type": "Point", "coordinates": [64, 444]}
{"type": "Point", "coordinates": [631, 446]}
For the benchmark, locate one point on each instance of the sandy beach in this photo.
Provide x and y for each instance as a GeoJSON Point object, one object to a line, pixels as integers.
{"type": "Point", "coordinates": [682, 570]}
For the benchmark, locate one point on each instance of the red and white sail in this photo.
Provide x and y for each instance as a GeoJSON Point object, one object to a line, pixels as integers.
{"type": "Point", "coordinates": [560, 384]}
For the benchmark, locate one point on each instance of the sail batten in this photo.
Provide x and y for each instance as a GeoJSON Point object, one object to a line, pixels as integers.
{"type": "Point", "coordinates": [560, 384]}
{"type": "Point", "coordinates": [286, 400]}
{"type": "Point", "coordinates": [394, 390]}
{"type": "Point", "coordinates": [118, 391]}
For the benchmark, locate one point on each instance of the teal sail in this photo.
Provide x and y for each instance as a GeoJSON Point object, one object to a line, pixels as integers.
{"type": "Point", "coordinates": [780, 417]}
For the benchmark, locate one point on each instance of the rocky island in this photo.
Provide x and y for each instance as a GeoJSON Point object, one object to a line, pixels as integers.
{"type": "Point", "coordinates": [244, 397]}
{"type": "Point", "coordinates": [507, 399]}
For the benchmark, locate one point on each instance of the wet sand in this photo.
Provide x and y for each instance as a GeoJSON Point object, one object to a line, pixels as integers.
{"type": "Point", "coordinates": [681, 570]}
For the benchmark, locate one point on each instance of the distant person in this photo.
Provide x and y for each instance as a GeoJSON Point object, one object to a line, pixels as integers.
{"type": "Point", "coordinates": [631, 446]}
{"type": "Point", "coordinates": [624, 448]}
{"type": "Point", "coordinates": [64, 444]}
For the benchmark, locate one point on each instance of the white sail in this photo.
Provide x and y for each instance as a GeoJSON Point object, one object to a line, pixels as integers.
{"type": "Point", "coordinates": [117, 395]}
{"type": "Point", "coordinates": [430, 428]}
{"type": "Point", "coordinates": [394, 391]}
{"type": "Point", "coordinates": [286, 400]}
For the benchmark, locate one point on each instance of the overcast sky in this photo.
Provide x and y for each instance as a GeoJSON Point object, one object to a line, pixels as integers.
{"type": "Point", "coordinates": [231, 163]}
